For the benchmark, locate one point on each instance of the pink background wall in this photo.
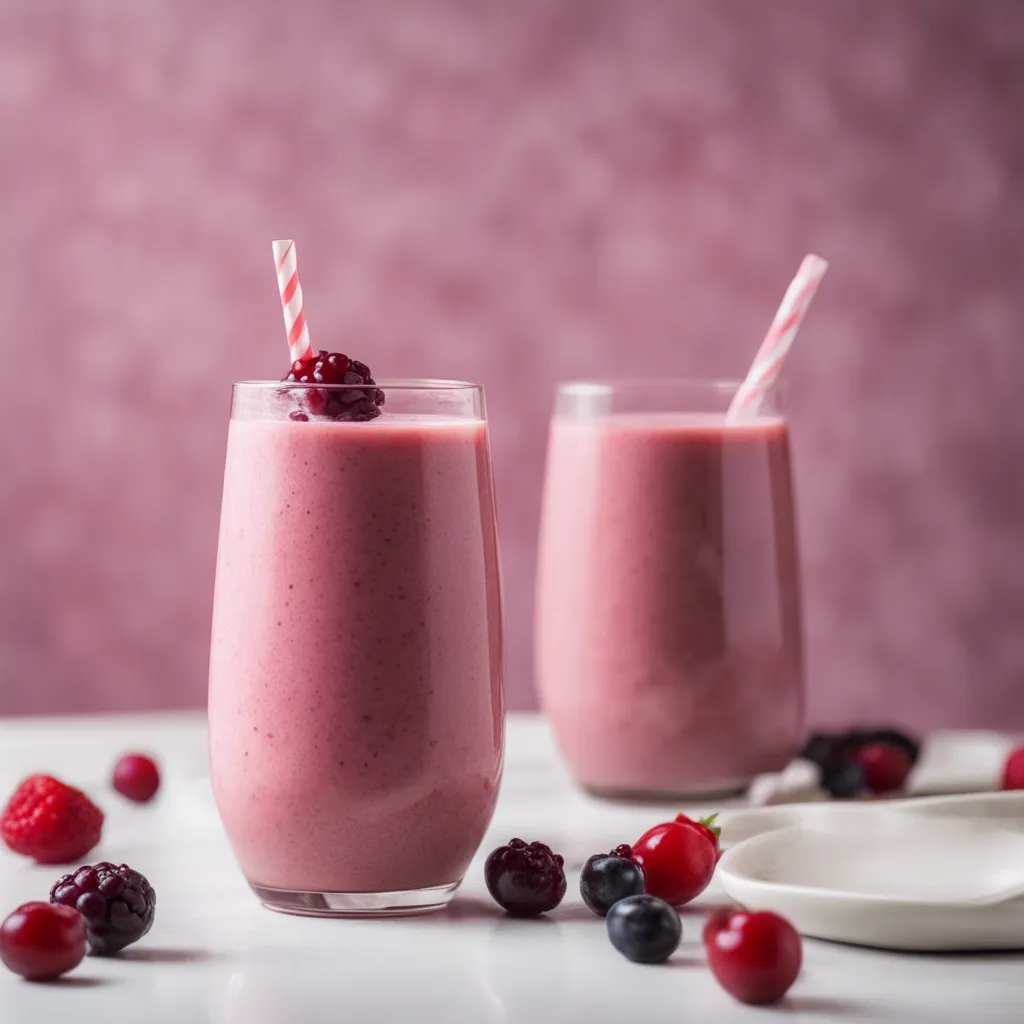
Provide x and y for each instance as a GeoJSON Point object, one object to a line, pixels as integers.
{"type": "Point", "coordinates": [515, 192]}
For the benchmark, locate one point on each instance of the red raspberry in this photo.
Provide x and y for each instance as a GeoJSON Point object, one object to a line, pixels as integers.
{"type": "Point", "coordinates": [526, 879]}
{"type": "Point", "coordinates": [50, 821]}
{"type": "Point", "coordinates": [1013, 770]}
{"type": "Point", "coordinates": [137, 777]}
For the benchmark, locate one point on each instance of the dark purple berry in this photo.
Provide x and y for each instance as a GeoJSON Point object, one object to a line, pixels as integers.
{"type": "Point", "coordinates": [352, 401]}
{"type": "Point", "coordinates": [525, 878]}
{"type": "Point", "coordinates": [644, 929]}
{"type": "Point", "coordinates": [117, 903]}
{"type": "Point", "coordinates": [623, 850]}
{"type": "Point", "coordinates": [606, 879]}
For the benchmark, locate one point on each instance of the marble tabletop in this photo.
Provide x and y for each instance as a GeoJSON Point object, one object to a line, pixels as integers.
{"type": "Point", "coordinates": [215, 955]}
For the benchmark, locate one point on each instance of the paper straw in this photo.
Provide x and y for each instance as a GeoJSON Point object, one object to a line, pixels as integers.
{"type": "Point", "coordinates": [291, 299]}
{"type": "Point", "coordinates": [768, 361]}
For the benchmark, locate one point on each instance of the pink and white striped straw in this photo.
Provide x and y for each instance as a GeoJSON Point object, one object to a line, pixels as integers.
{"type": "Point", "coordinates": [299, 344]}
{"type": "Point", "coordinates": [768, 361]}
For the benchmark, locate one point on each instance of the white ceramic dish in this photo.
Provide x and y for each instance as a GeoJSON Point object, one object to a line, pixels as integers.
{"type": "Point", "coordinates": [945, 873]}
{"type": "Point", "coordinates": [999, 808]}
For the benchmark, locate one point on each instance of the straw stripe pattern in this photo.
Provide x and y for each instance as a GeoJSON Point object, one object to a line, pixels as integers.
{"type": "Point", "coordinates": [299, 345]}
{"type": "Point", "coordinates": [770, 356]}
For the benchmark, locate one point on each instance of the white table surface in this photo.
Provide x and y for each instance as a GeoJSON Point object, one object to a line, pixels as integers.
{"type": "Point", "coordinates": [215, 955]}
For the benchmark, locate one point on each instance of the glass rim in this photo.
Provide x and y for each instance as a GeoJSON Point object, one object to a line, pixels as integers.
{"type": "Point", "coordinates": [593, 386]}
{"type": "Point", "coordinates": [397, 384]}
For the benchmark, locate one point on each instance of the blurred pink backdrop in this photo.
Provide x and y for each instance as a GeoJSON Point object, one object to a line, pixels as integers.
{"type": "Point", "coordinates": [515, 192]}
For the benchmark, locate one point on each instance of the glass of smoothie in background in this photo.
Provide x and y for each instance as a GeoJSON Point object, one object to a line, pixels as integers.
{"type": "Point", "coordinates": [669, 638]}
{"type": "Point", "coordinates": [356, 708]}
{"type": "Point", "coordinates": [668, 634]}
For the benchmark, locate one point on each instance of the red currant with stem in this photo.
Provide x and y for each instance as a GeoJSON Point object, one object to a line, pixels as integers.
{"type": "Point", "coordinates": [707, 826]}
{"type": "Point", "coordinates": [678, 858]}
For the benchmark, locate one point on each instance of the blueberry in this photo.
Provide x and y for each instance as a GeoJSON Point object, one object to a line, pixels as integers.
{"type": "Point", "coordinates": [606, 879]}
{"type": "Point", "coordinates": [844, 780]}
{"type": "Point", "coordinates": [644, 929]}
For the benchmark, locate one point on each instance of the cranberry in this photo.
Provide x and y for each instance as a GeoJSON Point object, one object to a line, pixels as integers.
{"type": "Point", "coordinates": [526, 879]}
{"type": "Point", "coordinates": [885, 766]}
{"type": "Point", "coordinates": [755, 957]}
{"type": "Point", "coordinates": [896, 738]}
{"type": "Point", "coordinates": [678, 858]}
{"type": "Point", "coordinates": [137, 777]}
{"type": "Point", "coordinates": [41, 942]}
{"type": "Point", "coordinates": [1013, 770]}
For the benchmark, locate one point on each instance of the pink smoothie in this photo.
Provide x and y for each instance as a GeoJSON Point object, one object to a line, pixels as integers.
{"type": "Point", "coordinates": [669, 653]}
{"type": "Point", "coordinates": [356, 720]}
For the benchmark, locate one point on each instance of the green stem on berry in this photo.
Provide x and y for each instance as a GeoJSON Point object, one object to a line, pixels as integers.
{"type": "Point", "coordinates": [709, 824]}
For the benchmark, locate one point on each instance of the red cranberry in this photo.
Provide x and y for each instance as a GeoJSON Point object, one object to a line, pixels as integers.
{"type": "Point", "coordinates": [137, 777]}
{"type": "Point", "coordinates": [896, 738]}
{"type": "Point", "coordinates": [886, 766]}
{"type": "Point", "coordinates": [755, 957]}
{"type": "Point", "coordinates": [41, 941]}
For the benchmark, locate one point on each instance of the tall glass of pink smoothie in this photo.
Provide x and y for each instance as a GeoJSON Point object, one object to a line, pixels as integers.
{"type": "Point", "coordinates": [668, 634]}
{"type": "Point", "coordinates": [356, 709]}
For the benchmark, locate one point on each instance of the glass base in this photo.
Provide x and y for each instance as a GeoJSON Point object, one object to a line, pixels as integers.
{"type": "Point", "coordinates": [355, 904]}
{"type": "Point", "coordinates": [713, 791]}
